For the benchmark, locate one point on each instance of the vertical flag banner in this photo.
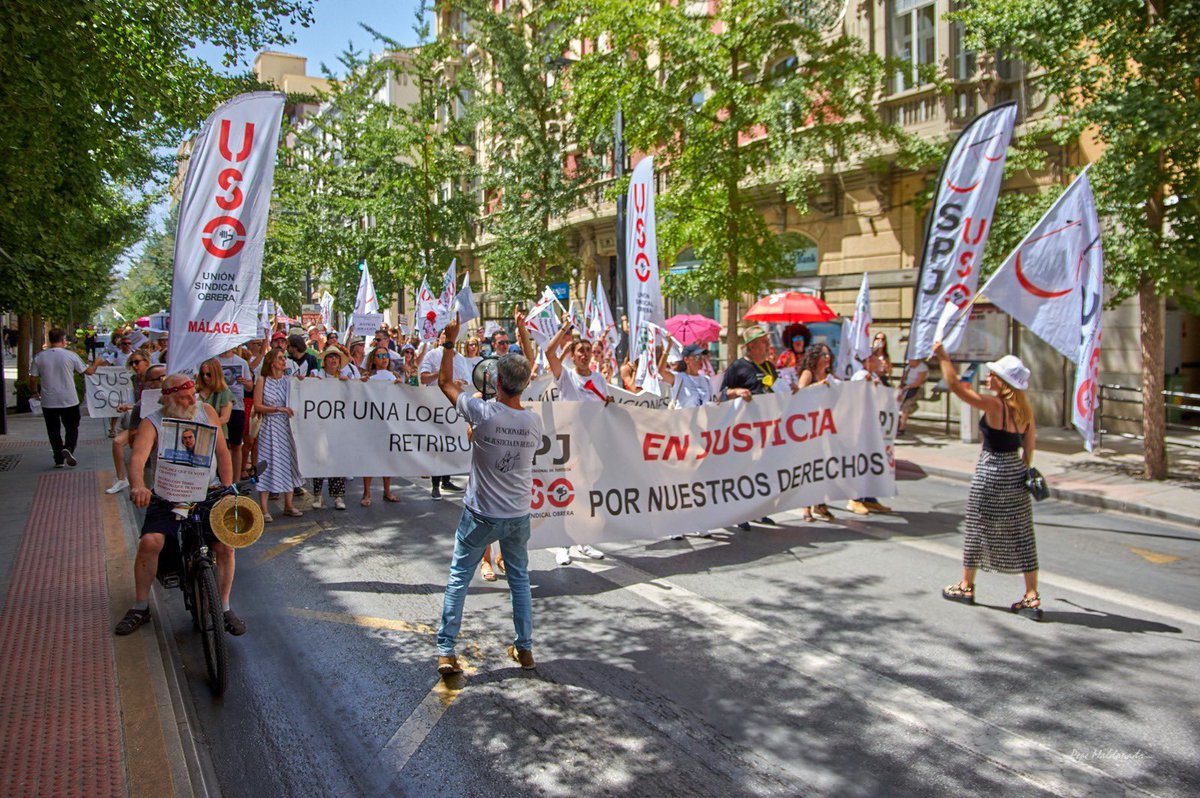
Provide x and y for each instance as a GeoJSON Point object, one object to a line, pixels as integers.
{"type": "Point", "coordinates": [589, 312]}
{"type": "Point", "coordinates": [445, 308]}
{"type": "Point", "coordinates": [327, 310]}
{"type": "Point", "coordinates": [464, 303]}
{"type": "Point", "coordinates": [603, 323]}
{"type": "Point", "coordinates": [846, 365]}
{"type": "Point", "coordinates": [1087, 366]}
{"type": "Point", "coordinates": [641, 258]}
{"type": "Point", "coordinates": [857, 341]}
{"type": "Point", "coordinates": [427, 312]}
{"type": "Point", "coordinates": [365, 300]}
{"type": "Point", "coordinates": [578, 321]}
{"type": "Point", "coordinates": [958, 226]}
{"type": "Point", "coordinates": [222, 229]}
{"type": "Point", "coordinates": [1043, 283]}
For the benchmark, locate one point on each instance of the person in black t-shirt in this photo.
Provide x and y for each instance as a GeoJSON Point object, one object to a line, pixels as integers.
{"type": "Point", "coordinates": [752, 373]}
{"type": "Point", "coordinates": [303, 362]}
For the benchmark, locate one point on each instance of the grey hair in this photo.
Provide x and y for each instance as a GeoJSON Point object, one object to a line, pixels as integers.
{"type": "Point", "coordinates": [512, 374]}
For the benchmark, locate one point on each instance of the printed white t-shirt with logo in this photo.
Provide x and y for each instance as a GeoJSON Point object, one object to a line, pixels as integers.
{"type": "Point", "coordinates": [574, 387]}
{"type": "Point", "coordinates": [503, 443]}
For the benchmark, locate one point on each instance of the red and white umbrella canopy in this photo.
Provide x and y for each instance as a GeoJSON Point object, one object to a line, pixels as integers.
{"type": "Point", "coordinates": [788, 307]}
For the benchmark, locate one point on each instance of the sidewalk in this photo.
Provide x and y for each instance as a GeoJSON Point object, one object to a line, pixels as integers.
{"type": "Point", "coordinates": [1107, 478]}
{"type": "Point", "coordinates": [82, 712]}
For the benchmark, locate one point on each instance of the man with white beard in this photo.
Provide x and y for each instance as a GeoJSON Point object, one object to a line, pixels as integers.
{"type": "Point", "coordinates": [178, 402]}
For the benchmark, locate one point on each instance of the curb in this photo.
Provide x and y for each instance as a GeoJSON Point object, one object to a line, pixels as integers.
{"type": "Point", "coordinates": [1073, 496]}
{"type": "Point", "coordinates": [195, 775]}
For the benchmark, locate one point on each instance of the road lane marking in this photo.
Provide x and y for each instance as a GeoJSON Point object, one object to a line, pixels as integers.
{"type": "Point", "coordinates": [368, 621]}
{"type": "Point", "coordinates": [1042, 766]}
{"type": "Point", "coordinates": [290, 542]}
{"type": "Point", "coordinates": [1171, 612]}
{"type": "Point", "coordinates": [1155, 557]}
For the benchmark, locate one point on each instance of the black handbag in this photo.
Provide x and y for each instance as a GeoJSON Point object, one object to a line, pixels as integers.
{"type": "Point", "coordinates": [1035, 483]}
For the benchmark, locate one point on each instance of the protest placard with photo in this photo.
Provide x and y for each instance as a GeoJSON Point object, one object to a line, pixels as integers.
{"type": "Point", "coordinates": [186, 460]}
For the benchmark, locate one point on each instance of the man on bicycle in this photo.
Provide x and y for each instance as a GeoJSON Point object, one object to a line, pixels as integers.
{"type": "Point", "coordinates": [178, 402]}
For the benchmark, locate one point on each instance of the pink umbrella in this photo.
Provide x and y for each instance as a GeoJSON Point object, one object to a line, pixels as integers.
{"type": "Point", "coordinates": [788, 307]}
{"type": "Point", "coordinates": [693, 329]}
{"type": "Point", "coordinates": [143, 322]}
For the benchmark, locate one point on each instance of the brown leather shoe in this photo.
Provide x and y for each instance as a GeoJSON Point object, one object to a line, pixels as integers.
{"type": "Point", "coordinates": [523, 656]}
{"type": "Point", "coordinates": [448, 666]}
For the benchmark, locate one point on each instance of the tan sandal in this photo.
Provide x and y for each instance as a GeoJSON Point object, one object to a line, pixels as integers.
{"type": "Point", "coordinates": [485, 569]}
{"type": "Point", "coordinates": [366, 501]}
{"type": "Point", "coordinates": [957, 592]}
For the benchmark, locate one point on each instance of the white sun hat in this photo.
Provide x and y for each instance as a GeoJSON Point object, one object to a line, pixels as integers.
{"type": "Point", "coordinates": [1010, 369]}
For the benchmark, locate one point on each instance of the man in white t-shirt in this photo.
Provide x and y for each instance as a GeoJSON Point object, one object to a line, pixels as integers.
{"type": "Point", "coordinates": [504, 439]}
{"type": "Point", "coordinates": [431, 364]}
{"type": "Point", "coordinates": [53, 372]}
{"type": "Point", "coordinates": [575, 384]}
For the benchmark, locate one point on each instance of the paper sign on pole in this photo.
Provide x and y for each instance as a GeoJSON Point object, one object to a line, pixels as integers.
{"type": "Point", "coordinates": [365, 300]}
{"type": "Point", "coordinates": [958, 226]}
{"type": "Point", "coordinates": [106, 389]}
{"type": "Point", "coordinates": [222, 229]}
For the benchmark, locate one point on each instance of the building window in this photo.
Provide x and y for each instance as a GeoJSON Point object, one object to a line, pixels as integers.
{"type": "Point", "coordinates": [912, 39]}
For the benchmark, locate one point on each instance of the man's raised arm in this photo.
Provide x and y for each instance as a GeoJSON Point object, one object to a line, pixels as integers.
{"type": "Point", "coordinates": [446, 373]}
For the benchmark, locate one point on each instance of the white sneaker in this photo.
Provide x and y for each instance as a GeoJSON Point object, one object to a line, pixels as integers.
{"type": "Point", "coordinates": [587, 550]}
{"type": "Point", "coordinates": [338, 504]}
{"type": "Point", "coordinates": [319, 504]}
{"type": "Point", "coordinates": [118, 486]}
{"type": "Point", "coordinates": [563, 557]}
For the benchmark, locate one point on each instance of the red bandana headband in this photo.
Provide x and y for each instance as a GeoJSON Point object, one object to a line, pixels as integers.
{"type": "Point", "coordinates": [183, 386]}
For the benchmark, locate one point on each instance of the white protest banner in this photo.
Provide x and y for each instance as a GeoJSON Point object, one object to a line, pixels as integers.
{"type": "Point", "coordinates": [541, 321]}
{"type": "Point", "coordinates": [1087, 366]}
{"type": "Point", "coordinates": [107, 388]}
{"type": "Point", "coordinates": [846, 365]}
{"type": "Point", "coordinates": [616, 472]}
{"type": "Point", "coordinates": [365, 300]}
{"type": "Point", "coordinates": [150, 401]}
{"type": "Point", "coordinates": [186, 459]}
{"type": "Point", "coordinates": [357, 429]}
{"type": "Point", "coordinates": [445, 304]}
{"type": "Point", "coordinates": [860, 325]}
{"type": "Point", "coordinates": [958, 226]}
{"type": "Point", "coordinates": [222, 229]}
{"type": "Point", "coordinates": [327, 310]}
{"type": "Point", "coordinates": [575, 314]}
{"type": "Point", "coordinates": [641, 257]}
{"type": "Point", "coordinates": [1043, 282]}
{"type": "Point", "coordinates": [136, 339]}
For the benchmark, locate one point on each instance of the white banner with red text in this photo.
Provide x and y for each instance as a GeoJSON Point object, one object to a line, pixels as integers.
{"type": "Point", "coordinates": [616, 472]}
{"type": "Point", "coordinates": [223, 229]}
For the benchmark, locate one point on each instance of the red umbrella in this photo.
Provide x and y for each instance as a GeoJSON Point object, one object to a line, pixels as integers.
{"type": "Point", "coordinates": [790, 307]}
{"type": "Point", "coordinates": [692, 329]}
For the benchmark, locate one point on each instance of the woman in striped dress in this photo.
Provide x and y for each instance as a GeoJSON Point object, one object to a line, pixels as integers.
{"type": "Point", "coordinates": [275, 445]}
{"type": "Point", "coordinates": [999, 520]}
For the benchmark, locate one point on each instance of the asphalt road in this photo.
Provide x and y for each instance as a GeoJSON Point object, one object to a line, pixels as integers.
{"type": "Point", "coordinates": [803, 659]}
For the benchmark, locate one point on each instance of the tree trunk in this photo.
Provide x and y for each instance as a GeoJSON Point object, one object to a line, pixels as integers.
{"type": "Point", "coordinates": [24, 336]}
{"type": "Point", "coordinates": [1153, 413]}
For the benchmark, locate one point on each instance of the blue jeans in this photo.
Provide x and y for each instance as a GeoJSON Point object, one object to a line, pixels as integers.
{"type": "Point", "coordinates": [474, 534]}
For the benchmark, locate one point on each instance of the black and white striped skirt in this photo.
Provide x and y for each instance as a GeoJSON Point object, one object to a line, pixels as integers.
{"type": "Point", "coordinates": [999, 523]}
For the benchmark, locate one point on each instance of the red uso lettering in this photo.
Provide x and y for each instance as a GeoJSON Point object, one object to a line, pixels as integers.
{"type": "Point", "coordinates": [224, 236]}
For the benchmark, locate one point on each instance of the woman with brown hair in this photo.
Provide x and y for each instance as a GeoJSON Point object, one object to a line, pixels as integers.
{"type": "Point", "coordinates": [816, 369]}
{"type": "Point", "coordinates": [282, 474]}
{"type": "Point", "coordinates": [138, 363]}
{"type": "Point", "coordinates": [212, 389]}
{"type": "Point", "coordinates": [999, 520]}
{"type": "Point", "coordinates": [379, 370]}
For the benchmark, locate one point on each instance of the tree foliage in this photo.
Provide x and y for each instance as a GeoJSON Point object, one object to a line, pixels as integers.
{"type": "Point", "coordinates": [146, 288]}
{"type": "Point", "coordinates": [535, 168]}
{"type": "Point", "coordinates": [93, 92]}
{"type": "Point", "coordinates": [747, 95]}
{"type": "Point", "coordinates": [367, 181]}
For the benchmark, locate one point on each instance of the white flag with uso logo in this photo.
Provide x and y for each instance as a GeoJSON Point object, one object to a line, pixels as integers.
{"type": "Point", "coordinates": [641, 258]}
{"type": "Point", "coordinates": [223, 228]}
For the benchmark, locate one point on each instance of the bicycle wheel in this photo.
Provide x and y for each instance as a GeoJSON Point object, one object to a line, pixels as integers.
{"type": "Point", "coordinates": [212, 628]}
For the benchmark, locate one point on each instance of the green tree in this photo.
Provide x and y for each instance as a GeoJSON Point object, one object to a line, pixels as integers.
{"type": "Point", "coordinates": [757, 93]}
{"type": "Point", "coordinates": [366, 181]}
{"type": "Point", "coordinates": [146, 288]}
{"type": "Point", "coordinates": [532, 167]}
{"type": "Point", "coordinates": [1126, 73]}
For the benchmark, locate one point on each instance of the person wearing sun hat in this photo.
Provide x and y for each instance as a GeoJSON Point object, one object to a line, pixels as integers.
{"type": "Point", "coordinates": [999, 519]}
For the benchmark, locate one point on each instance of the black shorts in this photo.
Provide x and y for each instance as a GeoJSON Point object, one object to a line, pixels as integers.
{"type": "Point", "coordinates": [237, 424]}
{"type": "Point", "coordinates": [161, 519]}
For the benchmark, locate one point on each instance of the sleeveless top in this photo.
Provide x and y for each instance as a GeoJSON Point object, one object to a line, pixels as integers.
{"type": "Point", "coordinates": [1000, 440]}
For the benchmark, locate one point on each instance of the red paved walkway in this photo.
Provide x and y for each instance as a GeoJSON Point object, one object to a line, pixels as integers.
{"type": "Point", "coordinates": [59, 730]}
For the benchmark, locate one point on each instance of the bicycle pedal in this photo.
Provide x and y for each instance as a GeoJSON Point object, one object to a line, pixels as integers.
{"type": "Point", "coordinates": [170, 581]}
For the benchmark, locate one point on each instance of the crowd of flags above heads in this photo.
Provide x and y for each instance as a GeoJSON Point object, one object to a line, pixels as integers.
{"type": "Point", "coordinates": [1053, 282]}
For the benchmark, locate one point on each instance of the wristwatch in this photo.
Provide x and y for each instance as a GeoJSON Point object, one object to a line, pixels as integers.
{"type": "Point", "coordinates": [448, 345]}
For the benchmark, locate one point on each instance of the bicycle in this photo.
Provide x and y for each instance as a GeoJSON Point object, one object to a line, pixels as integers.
{"type": "Point", "coordinates": [195, 575]}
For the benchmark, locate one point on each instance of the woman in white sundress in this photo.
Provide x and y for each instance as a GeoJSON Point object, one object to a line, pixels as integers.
{"type": "Point", "coordinates": [275, 445]}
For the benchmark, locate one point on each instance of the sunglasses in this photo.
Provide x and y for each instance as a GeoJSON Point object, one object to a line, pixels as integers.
{"type": "Point", "coordinates": [381, 354]}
